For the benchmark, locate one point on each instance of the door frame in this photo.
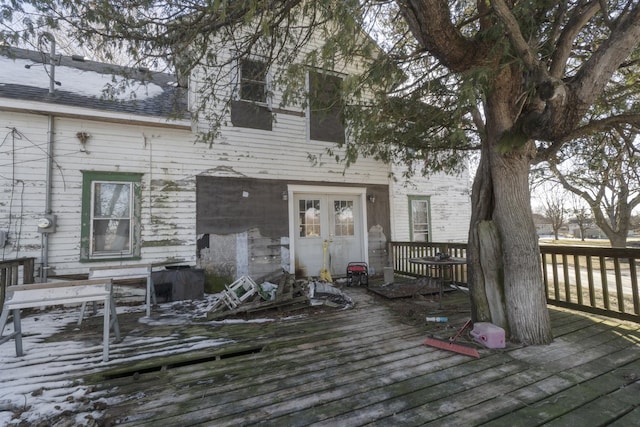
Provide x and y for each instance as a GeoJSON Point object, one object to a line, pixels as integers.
{"type": "Point", "coordinates": [361, 192]}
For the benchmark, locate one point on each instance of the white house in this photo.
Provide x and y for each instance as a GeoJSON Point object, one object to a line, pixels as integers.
{"type": "Point", "coordinates": [89, 181]}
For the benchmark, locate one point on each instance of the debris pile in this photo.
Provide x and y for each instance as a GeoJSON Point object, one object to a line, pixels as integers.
{"type": "Point", "coordinates": [323, 293]}
{"type": "Point", "coordinates": [246, 296]}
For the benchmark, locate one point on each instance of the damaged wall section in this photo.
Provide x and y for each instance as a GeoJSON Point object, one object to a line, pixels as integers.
{"type": "Point", "coordinates": [243, 225]}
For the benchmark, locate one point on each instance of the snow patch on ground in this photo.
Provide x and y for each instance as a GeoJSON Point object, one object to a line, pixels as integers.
{"type": "Point", "coordinates": [40, 385]}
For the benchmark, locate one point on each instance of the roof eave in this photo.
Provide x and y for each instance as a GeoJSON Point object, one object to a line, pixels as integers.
{"type": "Point", "coordinates": [43, 108]}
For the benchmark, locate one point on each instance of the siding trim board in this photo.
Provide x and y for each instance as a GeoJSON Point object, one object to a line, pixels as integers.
{"type": "Point", "coordinates": [34, 107]}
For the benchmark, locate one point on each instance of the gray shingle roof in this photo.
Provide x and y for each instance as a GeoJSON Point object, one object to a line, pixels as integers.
{"type": "Point", "coordinates": [170, 101]}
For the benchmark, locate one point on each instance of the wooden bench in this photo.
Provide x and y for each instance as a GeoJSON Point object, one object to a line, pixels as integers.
{"type": "Point", "coordinates": [47, 294]}
{"type": "Point", "coordinates": [125, 272]}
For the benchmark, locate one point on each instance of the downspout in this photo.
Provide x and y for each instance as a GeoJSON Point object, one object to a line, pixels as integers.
{"type": "Point", "coordinates": [49, 169]}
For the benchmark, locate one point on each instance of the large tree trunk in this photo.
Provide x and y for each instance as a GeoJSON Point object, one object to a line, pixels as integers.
{"type": "Point", "coordinates": [504, 257]}
{"type": "Point", "coordinates": [525, 297]}
{"type": "Point", "coordinates": [502, 226]}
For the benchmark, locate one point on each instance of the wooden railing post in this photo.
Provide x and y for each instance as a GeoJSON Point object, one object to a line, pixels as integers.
{"type": "Point", "coordinates": [10, 274]}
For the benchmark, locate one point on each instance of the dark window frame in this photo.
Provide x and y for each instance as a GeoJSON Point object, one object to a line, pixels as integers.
{"type": "Point", "coordinates": [326, 107]}
{"type": "Point", "coordinates": [252, 80]}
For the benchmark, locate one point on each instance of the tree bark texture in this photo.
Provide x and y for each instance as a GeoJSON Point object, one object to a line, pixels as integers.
{"type": "Point", "coordinates": [482, 207]}
{"type": "Point", "coordinates": [526, 304]}
{"type": "Point", "coordinates": [492, 269]}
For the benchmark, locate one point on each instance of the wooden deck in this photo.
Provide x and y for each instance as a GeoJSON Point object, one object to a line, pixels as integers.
{"type": "Point", "coordinates": [362, 366]}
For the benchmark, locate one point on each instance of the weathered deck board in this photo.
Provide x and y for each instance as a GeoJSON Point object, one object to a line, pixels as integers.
{"type": "Point", "coordinates": [363, 366]}
{"type": "Point", "coordinates": [408, 388]}
{"type": "Point", "coordinates": [242, 373]}
{"type": "Point", "coordinates": [380, 373]}
{"type": "Point", "coordinates": [629, 419]}
{"type": "Point", "coordinates": [575, 399]}
{"type": "Point", "coordinates": [299, 372]}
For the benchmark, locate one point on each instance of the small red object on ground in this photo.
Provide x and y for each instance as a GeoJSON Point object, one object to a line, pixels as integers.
{"type": "Point", "coordinates": [452, 346]}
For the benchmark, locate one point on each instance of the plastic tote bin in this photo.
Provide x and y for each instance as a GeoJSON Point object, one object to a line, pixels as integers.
{"type": "Point", "coordinates": [488, 334]}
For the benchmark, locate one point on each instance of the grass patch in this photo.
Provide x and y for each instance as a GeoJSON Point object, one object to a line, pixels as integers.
{"type": "Point", "coordinates": [214, 283]}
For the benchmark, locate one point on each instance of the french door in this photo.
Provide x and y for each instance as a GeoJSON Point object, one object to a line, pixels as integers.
{"type": "Point", "coordinates": [328, 232]}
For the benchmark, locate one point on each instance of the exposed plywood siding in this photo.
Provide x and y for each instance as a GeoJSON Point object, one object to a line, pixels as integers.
{"type": "Point", "coordinates": [450, 204]}
{"type": "Point", "coordinates": [255, 212]}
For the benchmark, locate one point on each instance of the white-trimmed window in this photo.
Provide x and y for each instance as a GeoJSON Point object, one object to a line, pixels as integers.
{"type": "Point", "coordinates": [419, 218]}
{"type": "Point", "coordinates": [343, 218]}
{"type": "Point", "coordinates": [309, 217]}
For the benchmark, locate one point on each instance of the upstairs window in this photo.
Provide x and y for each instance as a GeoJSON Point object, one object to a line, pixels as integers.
{"type": "Point", "coordinates": [326, 121]}
{"type": "Point", "coordinates": [250, 108]}
{"type": "Point", "coordinates": [253, 81]}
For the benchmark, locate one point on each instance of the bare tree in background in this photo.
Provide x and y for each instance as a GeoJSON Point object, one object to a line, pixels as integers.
{"type": "Point", "coordinates": [554, 208]}
{"type": "Point", "coordinates": [603, 169]}
{"type": "Point", "coordinates": [581, 214]}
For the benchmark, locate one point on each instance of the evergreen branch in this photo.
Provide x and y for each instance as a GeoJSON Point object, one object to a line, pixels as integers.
{"type": "Point", "coordinates": [596, 72]}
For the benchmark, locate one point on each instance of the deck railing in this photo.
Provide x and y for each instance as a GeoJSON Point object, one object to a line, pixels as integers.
{"type": "Point", "coordinates": [596, 280]}
{"type": "Point", "coordinates": [17, 271]}
{"type": "Point", "coordinates": [402, 252]}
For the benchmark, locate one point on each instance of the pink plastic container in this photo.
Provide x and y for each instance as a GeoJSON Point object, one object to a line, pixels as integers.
{"type": "Point", "coordinates": [488, 334]}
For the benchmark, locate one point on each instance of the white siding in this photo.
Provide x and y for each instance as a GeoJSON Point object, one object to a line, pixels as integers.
{"type": "Point", "coordinates": [450, 204]}
{"type": "Point", "coordinates": [282, 153]}
{"type": "Point", "coordinates": [22, 181]}
{"type": "Point", "coordinates": [169, 161]}
{"type": "Point", "coordinates": [161, 155]}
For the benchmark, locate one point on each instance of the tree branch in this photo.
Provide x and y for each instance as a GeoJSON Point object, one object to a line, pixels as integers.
{"type": "Point", "coordinates": [603, 124]}
{"type": "Point", "coordinates": [564, 46]}
{"type": "Point", "coordinates": [598, 69]}
{"type": "Point", "coordinates": [512, 28]}
{"type": "Point", "coordinates": [436, 32]}
{"type": "Point", "coordinates": [546, 153]}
